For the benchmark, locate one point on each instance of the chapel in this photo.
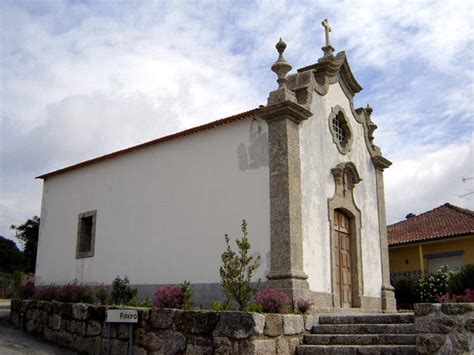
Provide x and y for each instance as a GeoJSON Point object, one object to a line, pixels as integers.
{"type": "Point", "coordinates": [303, 171]}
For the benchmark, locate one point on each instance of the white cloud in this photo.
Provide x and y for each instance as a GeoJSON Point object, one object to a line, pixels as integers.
{"type": "Point", "coordinates": [426, 181]}
{"type": "Point", "coordinates": [79, 79]}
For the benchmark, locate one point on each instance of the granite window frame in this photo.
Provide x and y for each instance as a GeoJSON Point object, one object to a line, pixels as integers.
{"type": "Point", "coordinates": [84, 231]}
{"type": "Point", "coordinates": [338, 113]}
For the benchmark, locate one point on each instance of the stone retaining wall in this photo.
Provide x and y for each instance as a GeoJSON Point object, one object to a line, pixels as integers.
{"type": "Point", "coordinates": [446, 328]}
{"type": "Point", "coordinates": [82, 327]}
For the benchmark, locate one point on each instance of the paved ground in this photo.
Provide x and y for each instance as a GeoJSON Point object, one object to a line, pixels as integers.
{"type": "Point", "coordinates": [15, 342]}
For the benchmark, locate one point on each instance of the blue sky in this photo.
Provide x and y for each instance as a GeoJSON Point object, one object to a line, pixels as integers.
{"type": "Point", "coordinates": [83, 78]}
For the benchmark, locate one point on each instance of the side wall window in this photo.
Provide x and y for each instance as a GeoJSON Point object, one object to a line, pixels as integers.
{"type": "Point", "coordinates": [86, 234]}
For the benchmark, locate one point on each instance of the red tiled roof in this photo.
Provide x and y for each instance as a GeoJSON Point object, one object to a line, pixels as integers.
{"type": "Point", "coordinates": [170, 137]}
{"type": "Point", "coordinates": [445, 221]}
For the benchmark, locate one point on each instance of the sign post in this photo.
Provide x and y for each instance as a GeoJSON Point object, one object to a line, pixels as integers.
{"type": "Point", "coordinates": [122, 316]}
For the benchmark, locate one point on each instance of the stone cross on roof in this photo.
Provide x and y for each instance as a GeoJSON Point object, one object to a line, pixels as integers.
{"type": "Point", "coordinates": [327, 49]}
{"type": "Point", "coordinates": [327, 29]}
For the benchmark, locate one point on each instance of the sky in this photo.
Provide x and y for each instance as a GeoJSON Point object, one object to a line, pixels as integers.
{"type": "Point", "coordinates": [79, 79]}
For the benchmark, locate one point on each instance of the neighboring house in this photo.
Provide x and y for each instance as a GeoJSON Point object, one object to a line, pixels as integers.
{"type": "Point", "coordinates": [303, 171]}
{"type": "Point", "coordinates": [423, 243]}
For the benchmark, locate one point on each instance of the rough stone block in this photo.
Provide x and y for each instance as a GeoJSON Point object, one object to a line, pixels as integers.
{"type": "Point", "coordinates": [44, 317]}
{"type": "Point", "coordinates": [80, 328]}
{"type": "Point", "coordinates": [119, 347]}
{"type": "Point", "coordinates": [30, 326]}
{"type": "Point", "coordinates": [223, 345]}
{"type": "Point", "coordinates": [15, 318]}
{"type": "Point", "coordinates": [434, 325]}
{"type": "Point", "coordinates": [123, 331]}
{"type": "Point", "coordinates": [50, 335]}
{"type": "Point", "coordinates": [29, 313]}
{"type": "Point", "coordinates": [194, 349]}
{"type": "Point", "coordinates": [56, 322]}
{"type": "Point", "coordinates": [197, 322]}
{"type": "Point", "coordinates": [423, 309]}
{"type": "Point", "coordinates": [259, 347]}
{"type": "Point", "coordinates": [292, 324]}
{"type": "Point", "coordinates": [310, 321]}
{"type": "Point", "coordinates": [97, 313]}
{"type": "Point", "coordinates": [240, 325]}
{"type": "Point", "coordinates": [64, 338]}
{"type": "Point", "coordinates": [138, 350]}
{"type": "Point", "coordinates": [143, 318]}
{"type": "Point", "coordinates": [94, 328]}
{"type": "Point", "coordinates": [48, 307]}
{"type": "Point", "coordinates": [456, 308]}
{"type": "Point", "coordinates": [469, 325]}
{"type": "Point", "coordinates": [429, 343]}
{"type": "Point", "coordinates": [65, 310]}
{"type": "Point", "coordinates": [293, 344]}
{"type": "Point", "coordinates": [162, 318]}
{"type": "Point", "coordinates": [25, 305]}
{"type": "Point", "coordinates": [282, 346]}
{"type": "Point", "coordinates": [15, 305]}
{"type": "Point", "coordinates": [149, 340]}
{"type": "Point", "coordinates": [80, 311]}
{"type": "Point", "coordinates": [173, 342]}
{"type": "Point", "coordinates": [273, 325]}
{"type": "Point", "coordinates": [461, 342]}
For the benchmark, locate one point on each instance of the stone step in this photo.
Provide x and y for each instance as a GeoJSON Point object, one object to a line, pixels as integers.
{"type": "Point", "coordinates": [360, 339]}
{"type": "Point", "coordinates": [354, 349]}
{"type": "Point", "coordinates": [364, 329]}
{"type": "Point", "coordinates": [368, 319]}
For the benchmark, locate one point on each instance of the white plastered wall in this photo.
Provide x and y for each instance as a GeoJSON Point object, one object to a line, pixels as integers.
{"type": "Point", "coordinates": [162, 211]}
{"type": "Point", "coordinates": [319, 155]}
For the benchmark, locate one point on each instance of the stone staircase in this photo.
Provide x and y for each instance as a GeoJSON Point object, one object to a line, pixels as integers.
{"type": "Point", "coordinates": [361, 334]}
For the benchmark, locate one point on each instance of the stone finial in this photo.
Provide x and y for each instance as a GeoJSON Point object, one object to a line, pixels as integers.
{"type": "Point", "coordinates": [369, 110]}
{"type": "Point", "coordinates": [281, 67]}
{"type": "Point", "coordinates": [327, 49]}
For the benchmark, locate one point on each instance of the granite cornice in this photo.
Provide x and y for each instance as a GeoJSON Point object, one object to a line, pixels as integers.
{"type": "Point", "coordinates": [284, 110]}
{"type": "Point", "coordinates": [332, 70]}
{"type": "Point", "coordinates": [380, 162]}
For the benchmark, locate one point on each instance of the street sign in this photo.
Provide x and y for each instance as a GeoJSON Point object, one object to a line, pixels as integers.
{"type": "Point", "coordinates": [122, 316]}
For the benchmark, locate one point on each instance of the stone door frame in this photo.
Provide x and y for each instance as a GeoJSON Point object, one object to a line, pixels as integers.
{"type": "Point", "coordinates": [346, 177]}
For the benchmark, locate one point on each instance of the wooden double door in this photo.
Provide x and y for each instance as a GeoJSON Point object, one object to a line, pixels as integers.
{"type": "Point", "coordinates": [342, 231]}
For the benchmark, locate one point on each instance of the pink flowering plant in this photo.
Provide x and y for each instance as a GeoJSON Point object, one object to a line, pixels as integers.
{"type": "Point", "coordinates": [74, 292]}
{"type": "Point", "coordinates": [304, 305]}
{"type": "Point", "coordinates": [272, 300]}
{"type": "Point", "coordinates": [174, 296]}
{"type": "Point", "coordinates": [468, 296]}
{"type": "Point", "coordinates": [47, 293]}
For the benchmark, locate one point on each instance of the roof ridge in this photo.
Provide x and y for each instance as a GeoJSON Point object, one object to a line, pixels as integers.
{"type": "Point", "coordinates": [159, 140]}
{"type": "Point", "coordinates": [447, 205]}
{"type": "Point", "coordinates": [460, 209]}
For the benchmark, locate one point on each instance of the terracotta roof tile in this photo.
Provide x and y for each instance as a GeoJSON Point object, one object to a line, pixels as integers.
{"type": "Point", "coordinates": [442, 222]}
{"type": "Point", "coordinates": [170, 137]}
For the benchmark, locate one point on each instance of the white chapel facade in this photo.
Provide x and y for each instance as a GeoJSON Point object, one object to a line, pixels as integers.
{"type": "Point", "coordinates": [303, 171]}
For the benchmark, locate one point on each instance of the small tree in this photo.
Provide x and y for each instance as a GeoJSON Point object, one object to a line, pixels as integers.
{"type": "Point", "coordinates": [122, 292]}
{"type": "Point", "coordinates": [237, 269]}
{"type": "Point", "coordinates": [27, 233]}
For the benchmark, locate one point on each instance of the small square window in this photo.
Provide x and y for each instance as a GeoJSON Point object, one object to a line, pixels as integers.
{"type": "Point", "coordinates": [86, 234]}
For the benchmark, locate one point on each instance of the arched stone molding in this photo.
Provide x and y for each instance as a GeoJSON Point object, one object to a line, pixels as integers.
{"type": "Point", "coordinates": [346, 178]}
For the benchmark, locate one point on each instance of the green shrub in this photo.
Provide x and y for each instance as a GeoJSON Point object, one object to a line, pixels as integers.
{"type": "Point", "coordinates": [146, 303]}
{"type": "Point", "coordinates": [221, 306]}
{"type": "Point", "coordinates": [122, 293]}
{"type": "Point", "coordinates": [237, 270]}
{"type": "Point", "coordinates": [101, 294]}
{"type": "Point", "coordinates": [406, 291]}
{"type": "Point", "coordinates": [461, 280]}
{"type": "Point", "coordinates": [254, 307]}
{"type": "Point", "coordinates": [433, 285]}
